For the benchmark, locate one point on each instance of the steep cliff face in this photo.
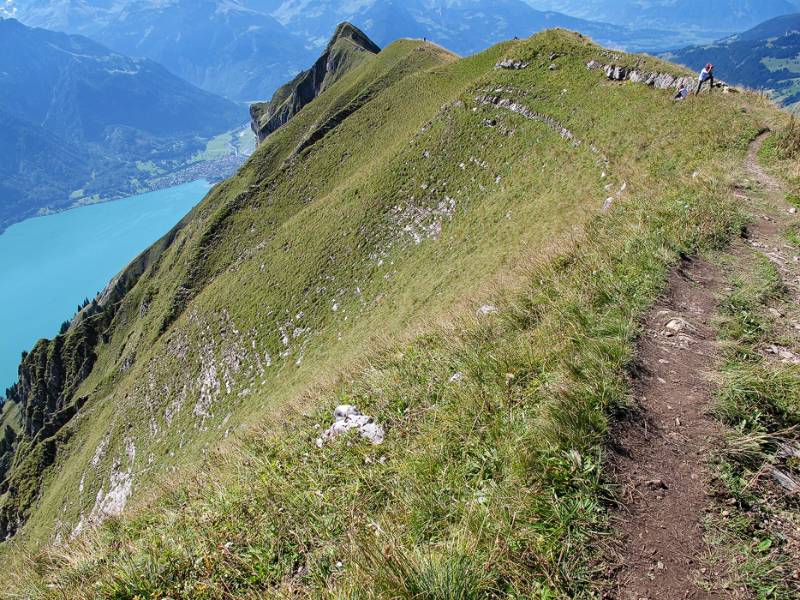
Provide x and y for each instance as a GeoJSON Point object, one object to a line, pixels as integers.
{"type": "Point", "coordinates": [8, 438]}
{"type": "Point", "coordinates": [46, 401]}
{"type": "Point", "coordinates": [348, 48]}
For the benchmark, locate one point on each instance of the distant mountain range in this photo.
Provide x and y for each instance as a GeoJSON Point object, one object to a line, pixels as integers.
{"type": "Point", "coordinates": [80, 123]}
{"type": "Point", "coordinates": [223, 46]}
{"type": "Point", "coordinates": [245, 49]}
{"type": "Point", "coordinates": [764, 57]}
{"type": "Point", "coordinates": [464, 26]}
{"type": "Point", "coordinates": [704, 20]}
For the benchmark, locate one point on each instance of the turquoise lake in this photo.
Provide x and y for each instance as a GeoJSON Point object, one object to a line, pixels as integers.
{"type": "Point", "coordinates": [48, 265]}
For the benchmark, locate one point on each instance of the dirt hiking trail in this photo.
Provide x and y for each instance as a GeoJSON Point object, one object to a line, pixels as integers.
{"type": "Point", "coordinates": [764, 233]}
{"type": "Point", "coordinates": [662, 456]}
{"type": "Point", "coordinates": [661, 461]}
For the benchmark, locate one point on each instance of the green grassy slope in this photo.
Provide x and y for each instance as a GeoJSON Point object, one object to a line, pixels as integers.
{"type": "Point", "coordinates": [176, 269]}
{"type": "Point", "coordinates": [348, 268]}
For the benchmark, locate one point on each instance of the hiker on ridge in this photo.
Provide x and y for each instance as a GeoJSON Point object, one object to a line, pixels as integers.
{"type": "Point", "coordinates": [707, 74]}
{"type": "Point", "coordinates": [682, 92]}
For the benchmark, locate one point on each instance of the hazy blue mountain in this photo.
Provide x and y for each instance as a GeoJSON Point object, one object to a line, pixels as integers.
{"type": "Point", "coordinates": [78, 16]}
{"type": "Point", "coordinates": [77, 88]}
{"type": "Point", "coordinates": [245, 49]}
{"type": "Point", "coordinates": [704, 19]}
{"type": "Point", "coordinates": [35, 164]}
{"type": "Point", "coordinates": [76, 117]}
{"type": "Point", "coordinates": [765, 57]}
{"type": "Point", "coordinates": [228, 48]}
{"type": "Point", "coordinates": [223, 46]}
{"type": "Point", "coordinates": [773, 29]}
{"type": "Point", "coordinates": [465, 26]}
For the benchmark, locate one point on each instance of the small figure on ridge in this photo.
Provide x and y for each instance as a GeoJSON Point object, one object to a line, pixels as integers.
{"type": "Point", "coordinates": [682, 92]}
{"type": "Point", "coordinates": [707, 74]}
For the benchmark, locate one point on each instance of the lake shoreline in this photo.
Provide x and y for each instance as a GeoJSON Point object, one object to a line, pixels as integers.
{"type": "Point", "coordinates": [50, 263]}
{"type": "Point", "coordinates": [211, 171]}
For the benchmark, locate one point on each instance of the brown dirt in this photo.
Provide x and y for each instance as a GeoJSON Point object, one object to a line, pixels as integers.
{"type": "Point", "coordinates": [765, 232]}
{"type": "Point", "coordinates": [662, 456]}
{"type": "Point", "coordinates": [661, 460]}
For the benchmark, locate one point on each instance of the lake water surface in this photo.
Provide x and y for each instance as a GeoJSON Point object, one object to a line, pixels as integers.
{"type": "Point", "coordinates": [48, 265]}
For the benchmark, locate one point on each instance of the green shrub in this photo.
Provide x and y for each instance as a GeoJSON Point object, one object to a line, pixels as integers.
{"type": "Point", "coordinates": [450, 574]}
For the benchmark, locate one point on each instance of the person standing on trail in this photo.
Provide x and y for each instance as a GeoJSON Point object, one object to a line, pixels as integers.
{"type": "Point", "coordinates": [707, 74]}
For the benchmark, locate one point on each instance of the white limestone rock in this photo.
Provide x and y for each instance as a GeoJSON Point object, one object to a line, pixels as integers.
{"type": "Point", "coordinates": [348, 418]}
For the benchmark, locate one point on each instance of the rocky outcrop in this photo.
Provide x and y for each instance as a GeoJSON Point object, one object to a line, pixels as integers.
{"type": "Point", "coordinates": [49, 376]}
{"type": "Point", "coordinates": [51, 372]}
{"type": "Point", "coordinates": [660, 81]}
{"type": "Point", "coordinates": [8, 439]}
{"type": "Point", "coordinates": [518, 108]}
{"type": "Point", "coordinates": [348, 47]}
{"type": "Point", "coordinates": [514, 65]}
{"type": "Point", "coordinates": [349, 418]}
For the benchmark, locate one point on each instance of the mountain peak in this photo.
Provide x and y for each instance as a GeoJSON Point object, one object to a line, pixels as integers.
{"type": "Point", "coordinates": [348, 48]}
{"type": "Point", "coordinates": [348, 31]}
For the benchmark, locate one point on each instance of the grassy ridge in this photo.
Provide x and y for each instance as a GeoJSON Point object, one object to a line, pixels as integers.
{"type": "Point", "coordinates": [176, 268]}
{"type": "Point", "coordinates": [415, 203]}
{"type": "Point", "coordinates": [348, 48]}
{"type": "Point", "coordinates": [492, 481]}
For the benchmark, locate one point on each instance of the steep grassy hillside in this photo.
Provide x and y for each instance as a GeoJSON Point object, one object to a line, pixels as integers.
{"type": "Point", "coordinates": [462, 250]}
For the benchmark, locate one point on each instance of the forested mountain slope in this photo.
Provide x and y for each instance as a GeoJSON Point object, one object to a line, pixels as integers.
{"type": "Point", "coordinates": [80, 123]}
{"type": "Point", "coordinates": [463, 254]}
{"type": "Point", "coordinates": [766, 57]}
